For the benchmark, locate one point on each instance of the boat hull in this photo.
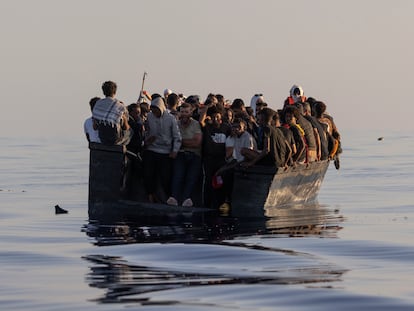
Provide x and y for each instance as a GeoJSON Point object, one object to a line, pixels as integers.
{"type": "Point", "coordinates": [256, 190]}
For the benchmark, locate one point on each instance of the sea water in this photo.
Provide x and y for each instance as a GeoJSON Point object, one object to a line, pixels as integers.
{"type": "Point", "coordinates": [354, 248]}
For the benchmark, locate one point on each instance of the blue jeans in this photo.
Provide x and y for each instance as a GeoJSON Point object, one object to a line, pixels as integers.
{"type": "Point", "coordinates": [186, 171]}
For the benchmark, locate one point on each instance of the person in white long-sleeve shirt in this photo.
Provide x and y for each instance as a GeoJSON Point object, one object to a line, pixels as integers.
{"type": "Point", "coordinates": [92, 134]}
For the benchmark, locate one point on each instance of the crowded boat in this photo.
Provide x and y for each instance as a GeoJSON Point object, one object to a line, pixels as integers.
{"type": "Point", "coordinates": [187, 151]}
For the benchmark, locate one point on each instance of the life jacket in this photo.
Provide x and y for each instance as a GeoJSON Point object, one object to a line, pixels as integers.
{"type": "Point", "coordinates": [291, 101]}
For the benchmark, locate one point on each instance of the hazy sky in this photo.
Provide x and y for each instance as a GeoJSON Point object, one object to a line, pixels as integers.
{"type": "Point", "coordinates": [356, 56]}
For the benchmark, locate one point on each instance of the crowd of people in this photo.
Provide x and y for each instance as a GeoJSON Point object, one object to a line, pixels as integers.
{"type": "Point", "coordinates": [178, 140]}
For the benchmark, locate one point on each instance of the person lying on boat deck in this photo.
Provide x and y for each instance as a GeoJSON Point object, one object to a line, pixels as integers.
{"type": "Point", "coordinates": [320, 136]}
{"type": "Point", "coordinates": [287, 134]}
{"type": "Point", "coordinates": [298, 134]}
{"type": "Point", "coordinates": [92, 134]}
{"type": "Point", "coordinates": [162, 142]}
{"type": "Point", "coordinates": [111, 117]}
{"type": "Point", "coordinates": [187, 165]}
{"type": "Point", "coordinates": [331, 132]}
{"type": "Point", "coordinates": [276, 150]}
{"type": "Point", "coordinates": [215, 133]}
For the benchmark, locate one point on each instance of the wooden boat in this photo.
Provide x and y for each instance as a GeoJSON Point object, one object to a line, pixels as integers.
{"type": "Point", "coordinates": [256, 190]}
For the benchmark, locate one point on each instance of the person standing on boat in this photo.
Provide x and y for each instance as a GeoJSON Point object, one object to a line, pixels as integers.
{"type": "Point", "coordinates": [111, 117]}
{"type": "Point", "coordinates": [257, 100]}
{"type": "Point", "coordinates": [215, 133]}
{"type": "Point", "coordinates": [137, 126]}
{"type": "Point", "coordinates": [172, 104]}
{"type": "Point", "coordinates": [296, 95]}
{"type": "Point", "coordinates": [162, 143]}
{"type": "Point", "coordinates": [187, 165]}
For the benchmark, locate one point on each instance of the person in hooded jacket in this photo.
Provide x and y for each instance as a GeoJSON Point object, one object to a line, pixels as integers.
{"type": "Point", "coordinates": [162, 142]}
{"type": "Point", "coordinates": [296, 95]}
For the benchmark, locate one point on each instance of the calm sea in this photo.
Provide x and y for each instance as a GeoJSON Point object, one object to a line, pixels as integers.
{"type": "Point", "coordinates": [354, 248]}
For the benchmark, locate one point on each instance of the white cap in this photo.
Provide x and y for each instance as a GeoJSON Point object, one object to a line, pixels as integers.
{"type": "Point", "coordinates": [167, 92]}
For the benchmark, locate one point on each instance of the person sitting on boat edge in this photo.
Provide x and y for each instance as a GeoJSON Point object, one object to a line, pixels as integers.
{"type": "Point", "coordinates": [111, 117]}
{"type": "Point", "coordinates": [162, 142]}
{"type": "Point", "coordinates": [310, 139]}
{"type": "Point", "coordinates": [320, 136]}
{"type": "Point", "coordinates": [187, 165]}
{"type": "Point", "coordinates": [333, 136]}
{"type": "Point", "coordinates": [91, 133]}
{"type": "Point", "coordinates": [276, 122]}
{"type": "Point", "coordinates": [239, 140]}
{"type": "Point", "coordinates": [290, 114]}
{"type": "Point", "coordinates": [276, 150]}
{"type": "Point", "coordinates": [236, 145]}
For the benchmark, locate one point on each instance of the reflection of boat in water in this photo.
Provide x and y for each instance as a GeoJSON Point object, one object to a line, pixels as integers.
{"type": "Point", "coordinates": [130, 281]}
{"type": "Point", "coordinates": [290, 220]}
{"type": "Point", "coordinates": [136, 275]}
{"type": "Point", "coordinates": [255, 190]}
{"type": "Point", "coordinates": [310, 219]}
